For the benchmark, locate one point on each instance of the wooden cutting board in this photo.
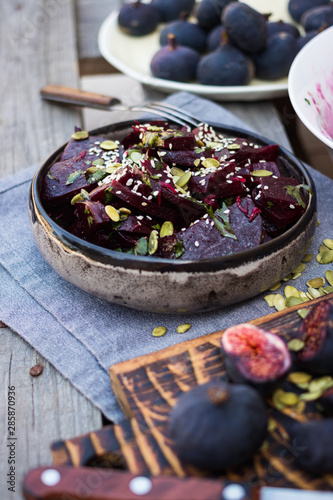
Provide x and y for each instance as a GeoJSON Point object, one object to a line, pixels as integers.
{"type": "Point", "coordinates": [148, 387]}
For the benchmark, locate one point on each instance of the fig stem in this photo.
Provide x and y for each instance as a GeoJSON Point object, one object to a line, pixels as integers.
{"type": "Point", "coordinates": [172, 41]}
{"type": "Point", "coordinates": [217, 395]}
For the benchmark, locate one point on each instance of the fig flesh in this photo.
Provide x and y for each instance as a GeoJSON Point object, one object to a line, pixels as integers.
{"type": "Point", "coordinates": [255, 356]}
{"type": "Point", "coordinates": [218, 425]}
{"type": "Point", "coordinates": [316, 330]}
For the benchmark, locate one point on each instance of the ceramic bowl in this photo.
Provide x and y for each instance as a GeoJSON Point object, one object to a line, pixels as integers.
{"type": "Point", "coordinates": [310, 86]}
{"type": "Point", "coordinates": [171, 286]}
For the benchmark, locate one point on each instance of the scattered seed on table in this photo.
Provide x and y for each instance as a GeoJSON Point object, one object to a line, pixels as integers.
{"type": "Point", "coordinates": [316, 282]}
{"type": "Point", "coordinates": [328, 243]}
{"type": "Point", "coordinates": [275, 287]}
{"type": "Point", "coordinates": [299, 268]}
{"type": "Point", "coordinates": [293, 301]}
{"type": "Point", "coordinates": [303, 313]}
{"type": "Point", "coordinates": [329, 276]}
{"type": "Point", "coordinates": [159, 331]}
{"type": "Point", "coordinates": [183, 328]}
{"type": "Point", "coordinates": [270, 299]}
{"type": "Point", "coordinates": [279, 302]}
{"type": "Point", "coordinates": [291, 291]}
{"type": "Point", "coordinates": [295, 345]}
{"type": "Point", "coordinates": [307, 258]}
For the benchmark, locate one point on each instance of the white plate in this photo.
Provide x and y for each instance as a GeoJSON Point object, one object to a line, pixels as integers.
{"type": "Point", "coordinates": [311, 86]}
{"type": "Point", "coordinates": [132, 56]}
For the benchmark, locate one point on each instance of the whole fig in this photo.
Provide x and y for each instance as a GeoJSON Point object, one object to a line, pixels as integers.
{"type": "Point", "coordinates": [218, 425]}
{"type": "Point", "coordinates": [138, 19]}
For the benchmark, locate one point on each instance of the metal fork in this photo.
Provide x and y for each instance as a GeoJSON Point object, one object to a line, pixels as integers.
{"type": "Point", "coordinates": [78, 97]}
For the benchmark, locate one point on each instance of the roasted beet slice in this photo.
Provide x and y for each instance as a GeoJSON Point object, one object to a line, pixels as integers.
{"type": "Point", "coordinates": [203, 239]}
{"type": "Point", "coordinates": [179, 140]}
{"type": "Point", "coordinates": [222, 182]}
{"type": "Point", "coordinates": [101, 193]}
{"type": "Point", "coordinates": [75, 148]}
{"type": "Point", "coordinates": [167, 247]}
{"type": "Point", "coordinates": [136, 224]}
{"type": "Point", "coordinates": [63, 181]}
{"type": "Point", "coordinates": [255, 356]}
{"type": "Point", "coordinates": [280, 200]}
{"type": "Point", "coordinates": [92, 216]}
{"type": "Point", "coordinates": [186, 158]}
{"type": "Point", "coordinates": [317, 332]}
{"type": "Point", "coordinates": [132, 198]}
{"type": "Point", "coordinates": [271, 166]}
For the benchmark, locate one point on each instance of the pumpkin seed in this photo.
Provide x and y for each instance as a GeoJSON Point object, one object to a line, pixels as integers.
{"type": "Point", "coordinates": [300, 407]}
{"type": "Point", "coordinates": [316, 282]}
{"type": "Point", "coordinates": [279, 302]}
{"type": "Point", "coordinates": [125, 211]}
{"type": "Point", "coordinates": [295, 276]}
{"type": "Point", "coordinates": [112, 213]}
{"type": "Point", "coordinates": [302, 295]}
{"type": "Point", "coordinates": [325, 257]}
{"type": "Point", "coordinates": [76, 198]}
{"type": "Point", "coordinates": [183, 328]}
{"type": "Point", "coordinates": [112, 168]}
{"type": "Point", "coordinates": [271, 426]}
{"type": "Point", "coordinates": [275, 287]}
{"type": "Point", "coordinates": [159, 331]}
{"type": "Point", "coordinates": [295, 345]}
{"type": "Point", "coordinates": [321, 384]}
{"type": "Point", "coordinates": [293, 301]}
{"type": "Point", "coordinates": [322, 248]}
{"type": "Point", "coordinates": [177, 171]}
{"type": "Point", "coordinates": [196, 162]}
{"type": "Point", "coordinates": [303, 313]}
{"type": "Point", "coordinates": [276, 399]}
{"type": "Point", "coordinates": [166, 229]}
{"type": "Point", "coordinates": [328, 243]}
{"type": "Point", "coordinates": [307, 258]}
{"type": "Point", "coordinates": [199, 143]}
{"type": "Point", "coordinates": [153, 242]}
{"type": "Point", "coordinates": [299, 268]}
{"type": "Point", "coordinates": [329, 276]}
{"type": "Point", "coordinates": [291, 291]}
{"type": "Point", "coordinates": [108, 145]}
{"type": "Point", "coordinates": [154, 128]}
{"type": "Point", "coordinates": [99, 162]}
{"type": "Point", "coordinates": [261, 173]}
{"type": "Point", "coordinates": [136, 156]}
{"type": "Point", "coordinates": [299, 378]}
{"type": "Point", "coordinates": [328, 289]}
{"type": "Point", "coordinates": [314, 292]}
{"type": "Point", "coordinates": [233, 146]}
{"type": "Point", "coordinates": [211, 144]}
{"type": "Point", "coordinates": [288, 277]}
{"type": "Point", "coordinates": [310, 396]}
{"type": "Point", "coordinates": [81, 134]}
{"type": "Point", "coordinates": [183, 180]}
{"type": "Point", "coordinates": [210, 163]}
{"type": "Point", "coordinates": [288, 398]}
{"type": "Point", "coordinates": [270, 299]}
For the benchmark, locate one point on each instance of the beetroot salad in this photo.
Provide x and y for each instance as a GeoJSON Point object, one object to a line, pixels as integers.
{"type": "Point", "coordinates": [172, 193]}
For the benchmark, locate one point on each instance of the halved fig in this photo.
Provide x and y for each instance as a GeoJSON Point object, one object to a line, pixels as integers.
{"type": "Point", "coordinates": [255, 356]}
{"type": "Point", "coordinates": [317, 332]}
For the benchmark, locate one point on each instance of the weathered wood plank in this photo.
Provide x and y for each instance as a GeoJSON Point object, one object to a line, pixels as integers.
{"type": "Point", "coordinates": [90, 16]}
{"type": "Point", "coordinates": [38, 42]}
{"type": "Point", "coordinates": [47, 408]}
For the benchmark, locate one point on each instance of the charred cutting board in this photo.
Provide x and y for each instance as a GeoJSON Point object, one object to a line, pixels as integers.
{"type": "Point", "coordinates": [149, 386]}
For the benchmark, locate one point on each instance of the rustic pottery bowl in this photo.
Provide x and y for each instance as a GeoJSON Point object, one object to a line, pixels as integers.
{"type": "Point", "coordinates": [171, 286]}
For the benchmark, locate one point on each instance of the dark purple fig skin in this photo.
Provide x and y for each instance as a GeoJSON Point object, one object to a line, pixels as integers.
{"type": "Point", "coordinates": [275, 60]}
{"type": "Point", "coordinates": [217, 425]}
{"type": "Point", "coordinates": [212, 243]}
{"type": "Point", "coordinates": [246, 27]}
{"type": "Point", "coordinates": [298, 7]}
{"type": "Point", "coordinates": [170, 10]}
{"type": "Point", "coordinates": [186, 33]}
{"type": "Point", "coordinates": [317, 332]}
{"type": "Point", "coordinates": [209, 12]}
{"type": "Point", "coordinates": [314, 442]}
{"type": "Point", "coordinates": [274, 27]}
{"type": "Point", "coordinates": [138, 19]}
{"type": "Point", "coordinates": [272, 358]}
{"type": "Point", "coordinates": [215, 37]}
{"type": "Point", "coordinates": [317, 18]}
{"type": "Point", "coordinates": [175, 62]}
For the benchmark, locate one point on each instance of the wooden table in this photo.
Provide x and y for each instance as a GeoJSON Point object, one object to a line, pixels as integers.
{"type": "Point", "coordinates": [54, 41]}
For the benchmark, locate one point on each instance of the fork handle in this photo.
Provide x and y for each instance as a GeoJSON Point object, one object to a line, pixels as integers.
{"type": "Point", "coordinates": [77, 97]}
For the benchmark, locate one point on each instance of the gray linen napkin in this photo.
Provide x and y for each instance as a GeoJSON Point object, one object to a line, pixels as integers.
{"type": "Point", "coordinates": [82, 336]}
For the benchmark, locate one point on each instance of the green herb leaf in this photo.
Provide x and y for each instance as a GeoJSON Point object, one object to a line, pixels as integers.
{"type": "Point", "coordinates": [97, 176]}
{"type": "Point", "coordinates": [294, 191]}
{"type": "Point", "coordinates": [141, 247]}
{"type": "Point", "coordinates": [73, 176]}
{"type": "Point", "coordinates": [224, 225]}
{"type": "Point", "coordinates": [178, 249]}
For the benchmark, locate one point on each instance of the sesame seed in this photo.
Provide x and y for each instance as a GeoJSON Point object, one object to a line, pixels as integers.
{"type": "Point", "coordinates": [196, 243]}
{"type": "Point", "coordinates": [291, 206]}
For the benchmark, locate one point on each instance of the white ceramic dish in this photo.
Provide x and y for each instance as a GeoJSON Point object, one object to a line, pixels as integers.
{"type": "Point", "coordinates": [311, 86]}
{"type": "Point", "coordinates": [132, 56]}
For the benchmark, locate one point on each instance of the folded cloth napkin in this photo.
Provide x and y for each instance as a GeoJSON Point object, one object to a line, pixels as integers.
{"type": "Point", "coordinates": [82, 336]}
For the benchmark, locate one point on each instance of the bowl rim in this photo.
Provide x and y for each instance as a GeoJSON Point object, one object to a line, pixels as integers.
{"type": "Point", "coordinates": [149, 263]}
{"type": "Point", "coordinates": [294, 93]}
